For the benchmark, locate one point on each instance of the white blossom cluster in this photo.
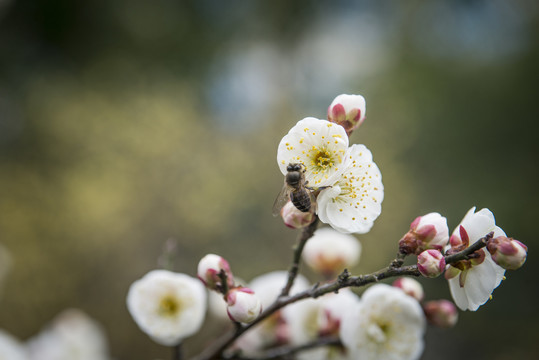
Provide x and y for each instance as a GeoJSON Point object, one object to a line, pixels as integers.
{"type": "Point", "coordinates": [72, 335]}
{"type": "Point", "coordinates": [350, 182]}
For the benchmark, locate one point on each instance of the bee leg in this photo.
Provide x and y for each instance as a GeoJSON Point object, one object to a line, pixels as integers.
{"type": "Point", "coordinates": [318, 188]}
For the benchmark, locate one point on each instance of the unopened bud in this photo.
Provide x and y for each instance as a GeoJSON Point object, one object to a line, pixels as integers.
{"type": "Point", "coordinates": [243, 305]}
{"type": "Point", "coordinates": [329, 252]}
{"type": "Point", "coordinates": [294, 218]}
{"type": "Point", "coordinates": [209, 269]}
{"type": "Point", "coordinates": [441, 313]}
{"type": "Point", "coordinates": [410, 287]}
{"type": "Point", "coordinates": [347, 111]}
{"type": "Point", "coordinates": [509, 253]}
{"type": "Point", "coordinates": [426, 232]}
{"type": "Point", "coordinates": [431, 263]}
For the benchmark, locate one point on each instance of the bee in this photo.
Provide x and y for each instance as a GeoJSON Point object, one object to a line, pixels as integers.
{"type": "Point", "coordinates": [295, 190]}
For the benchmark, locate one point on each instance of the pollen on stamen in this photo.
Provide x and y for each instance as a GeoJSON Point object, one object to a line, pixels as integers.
{"type": "Point", "coordinates": [340, 210]}
{"type": "Point", "coordinates": [353, 218]}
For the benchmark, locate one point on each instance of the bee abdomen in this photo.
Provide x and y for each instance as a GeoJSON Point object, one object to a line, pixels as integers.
{"type": "Point", "coordinates": [301, 200]}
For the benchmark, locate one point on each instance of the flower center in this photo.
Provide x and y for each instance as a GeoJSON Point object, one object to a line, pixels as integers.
{"type": "Point", "coordinates": [322, 159]}
{"type": "Point", "coordinates": [169, 306]}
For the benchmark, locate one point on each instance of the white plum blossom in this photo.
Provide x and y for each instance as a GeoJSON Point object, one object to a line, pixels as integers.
{"type": "Point", "coordinates": [72, 335]}
{"type": "Point", "coordinates": [268, 286]}
{"type": "Point", "coordinates": [311, 318]}
{"type": "Point", "coordinates": [410, 287]}
{"type": "Point", "coordinates": [273, 330]}
{"type": "Point", "coordinates": [11, 348]}
{"type": "Point", "coordinates": [329, 251]}
{"type": "Point", "coordinates": [387, 324]}
{"type": "Point", "coordinates": [167, 306]}
{"type": "Point", "coordinates": [317, 144]}
{"type": "Point", "coordinates": [471, 282]}
{"type": "Point", "coordinates": [354, 201]}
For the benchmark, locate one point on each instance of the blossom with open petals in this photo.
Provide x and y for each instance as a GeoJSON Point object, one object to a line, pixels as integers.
{"type": "Point", "coordinates": [319, 145]}
{"type": "Point", "coordinates": [471, 282]}
{"type": "Point", "coordinates": [309, 319]}
{"type": "Point", "coordinates": [354, 201]}
{"type": "Point", "coordinates": [167, 306]}
{"type": "Point", "coordinates": [11, 348]}
{"type": "Point", "coordinates": [273, 330]}
{"type": "Point", "coordinates": [72, 335]}
{"type": "Point", "coordinates": [387, 324]}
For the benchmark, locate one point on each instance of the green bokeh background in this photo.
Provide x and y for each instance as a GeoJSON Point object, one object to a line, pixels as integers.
{"type": "Point", "coordinates": [126, 123]}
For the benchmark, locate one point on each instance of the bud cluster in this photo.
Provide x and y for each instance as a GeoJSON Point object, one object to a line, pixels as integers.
{"type": "Point", "coordinates": [242, 304]}
{"type": "Point", "coordinates": [508, 253]}
{"type": "Point", "coordinates": [426, 232]}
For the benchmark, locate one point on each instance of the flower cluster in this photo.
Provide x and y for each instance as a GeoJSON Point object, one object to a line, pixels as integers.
{"type": "Point", "coordinates": [473, 278]}
{"type": "Point", "coordinates": [348, 181]}
{"type": "Point", "coordinates": [327, 179]}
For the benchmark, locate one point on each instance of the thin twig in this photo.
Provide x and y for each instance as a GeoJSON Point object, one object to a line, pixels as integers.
{"type": "Point", "coordinates": [344, 280]}
{"type": "Point", "coordinates": [282, 351]}
{"type": "Point", "coordinates": [306, 234]}
{"type": "Point", "coordinates": [177, 353]}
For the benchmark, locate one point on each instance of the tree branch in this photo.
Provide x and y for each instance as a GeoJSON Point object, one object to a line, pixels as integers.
{"type": "Point", "coordinates": [282, 351]}
{"type": "Point", "coordinates": [344, 280]}
{"type": "Point", "coordinates": [306, 234]}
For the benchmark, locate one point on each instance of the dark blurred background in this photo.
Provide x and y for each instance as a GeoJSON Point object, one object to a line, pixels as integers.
{"type": "Point", "coordinates": [126, 123]}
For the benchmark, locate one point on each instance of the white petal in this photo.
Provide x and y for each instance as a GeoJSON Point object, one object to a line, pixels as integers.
{"type": "Point", "coordinates": [309, 139]}
{"type": "Point", "coordinates": [354, 202]}
{"type": "Point", "coordinates": [458, 293]}
{"type": "Point", "coordinates": [481, 282]}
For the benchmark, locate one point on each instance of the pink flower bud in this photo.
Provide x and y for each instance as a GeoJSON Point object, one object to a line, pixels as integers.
{"type": "Point", "coordinates": [243, 305]}
{"type": "Point", "coordinates": [430, 263]}
{"type": "Point", "coordinates": [294, 218]}
{"type": "Point", "coordinates": [347, 111]}
{"type": "Point", "coordinates": [441, 313]}
{"type": "Point", "coordinates": [410, 287]}
{"type": "Point", "coordinates": [509, 253]}
{"type": "Point", "coordinates": [426, 232]}
{"type": "Point", "coordinates": [208, 271]}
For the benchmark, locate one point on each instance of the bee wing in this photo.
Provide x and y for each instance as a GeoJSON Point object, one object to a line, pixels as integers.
{"type": "Point", "coordinates": [281, 199]}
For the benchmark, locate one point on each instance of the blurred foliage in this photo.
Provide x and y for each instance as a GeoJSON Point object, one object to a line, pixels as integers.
{"type": "Point", "coordinates": [125, 123]}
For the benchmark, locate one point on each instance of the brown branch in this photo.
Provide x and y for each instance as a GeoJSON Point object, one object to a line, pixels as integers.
{"type": "Point", "coordinates": [344, 280]}
{"type": "Point", "coordinates": [282, 351]}
{"type": "Point", "coordinates": [306, 234]}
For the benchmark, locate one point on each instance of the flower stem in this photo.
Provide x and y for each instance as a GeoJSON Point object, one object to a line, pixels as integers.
{"type": "Point", "coordinates": [306, 234]}
{"type": "Point", "coordinates": [177, 353]}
